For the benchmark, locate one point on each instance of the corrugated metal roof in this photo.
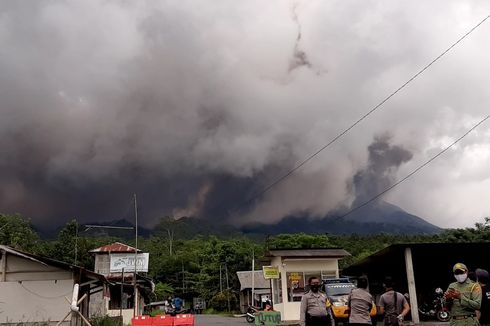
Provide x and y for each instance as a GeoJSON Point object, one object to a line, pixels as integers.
{"type": "Point", "coordinates": [114, 247]}
{"type": "Point", "coordinates": [48, 261]}
{"type": "Point", "coordinates": [245, 278]}
{"type": "Point", "coordinates": [318, 253]}
{"type": "Point", "coordinates": [20, 254]}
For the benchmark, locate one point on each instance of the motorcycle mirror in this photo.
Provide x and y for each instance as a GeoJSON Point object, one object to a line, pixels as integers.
{"type": "Point", "coordinates": [439, 291]}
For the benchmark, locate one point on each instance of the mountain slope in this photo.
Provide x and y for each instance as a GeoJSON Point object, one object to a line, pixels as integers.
{"type": "Point", "coordinates": [380, 217]}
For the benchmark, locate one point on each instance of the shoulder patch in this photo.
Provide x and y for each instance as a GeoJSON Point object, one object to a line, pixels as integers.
{"type": "Point", "coordinates": [475, 287]}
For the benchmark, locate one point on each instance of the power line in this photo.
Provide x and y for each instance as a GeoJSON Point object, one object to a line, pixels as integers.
{"type": "Point", "coordinates": [345, 131]}
{"type": "Point", "coordinates": [416, 170]}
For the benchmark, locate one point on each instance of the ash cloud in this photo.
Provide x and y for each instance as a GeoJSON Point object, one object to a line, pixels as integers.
{"type": "Point", "coordinates": [300, 58]}
{"type": "Point", "coordinates": [183, 104]}
{"type": "Point", "coordinates": [384, 160]}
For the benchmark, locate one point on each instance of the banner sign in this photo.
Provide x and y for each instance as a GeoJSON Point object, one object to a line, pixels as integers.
{"type": "Point", "coordinates": [126, 261]}
{"type": "Point", "coordinates": [270, 272]}
{"type": "Point", "coordinates": [269, 318]}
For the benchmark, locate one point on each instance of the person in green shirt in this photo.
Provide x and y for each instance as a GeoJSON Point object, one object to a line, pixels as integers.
{"type": "Point", "coordinates": [464, 296]}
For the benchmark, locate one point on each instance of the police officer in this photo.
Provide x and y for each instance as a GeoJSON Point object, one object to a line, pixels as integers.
{"type": "Point", "coordinates": [482, 277]}
{"type": "Point", "coordinates": [465, 296]}
{"type": "Point", "coordinates": [313, 311]}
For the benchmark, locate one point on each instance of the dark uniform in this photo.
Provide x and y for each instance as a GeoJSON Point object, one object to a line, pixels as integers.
{"type": "Point", "coordinates": [485, 306]}
{"type": "Point", "coordinates": [463, 309]}
{"type": "Point", "coordinates": [313, 310]}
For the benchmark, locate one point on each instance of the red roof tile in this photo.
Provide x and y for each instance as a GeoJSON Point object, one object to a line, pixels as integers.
{"type": "Point", "coordinates": [114, 247]}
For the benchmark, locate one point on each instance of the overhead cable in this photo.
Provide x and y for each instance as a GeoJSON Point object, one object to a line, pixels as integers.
{"type": "Point", "coordinates": [416, 170]}
{"type": "Point", "coordinates": [345, 131]}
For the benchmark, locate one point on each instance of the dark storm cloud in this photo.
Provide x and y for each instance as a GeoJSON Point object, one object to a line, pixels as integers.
{"type": "Point", "coordinates": [194, 106]}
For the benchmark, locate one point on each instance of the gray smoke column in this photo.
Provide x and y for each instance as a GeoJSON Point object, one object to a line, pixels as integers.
{"type": "Point", "coordinates": [383, 163]}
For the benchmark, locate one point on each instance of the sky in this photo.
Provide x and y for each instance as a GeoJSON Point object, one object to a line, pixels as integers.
{"type": "Point", "coordinates": [196, 106]}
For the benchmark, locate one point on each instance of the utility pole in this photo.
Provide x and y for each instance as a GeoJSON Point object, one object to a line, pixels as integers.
{"type": "Point", "coordinates": [227, 287]}
{"type": "Point", "coordinates": [253, 276]}
{"type": "Point", "coordinates": [76, 242]}
{"type": "Point", "coordinates": [183, 278]}
{"type": "Point", "coordinates": [135, 300]}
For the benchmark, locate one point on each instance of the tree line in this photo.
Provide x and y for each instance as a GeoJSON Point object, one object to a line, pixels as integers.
{"type": "Point", "coordinates": [206, 266]}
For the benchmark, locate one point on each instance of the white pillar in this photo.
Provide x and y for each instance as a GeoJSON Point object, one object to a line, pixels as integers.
{"type": "Point", "coordinates": [284, 288]}
{"type": "Point", "coordinates": [414, 310]}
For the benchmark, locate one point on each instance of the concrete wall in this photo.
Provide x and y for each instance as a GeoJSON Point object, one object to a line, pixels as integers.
{"type": "Point", "coordinates": [34, 301]}
{"type": "Point", "coordinates": [127, 315]}
{"type": "Point", "coordinates": [102, 264]}
{"type": "Point", "coordinates": [22, 269]}
{"type": "Point", "coordinates": [33, 292]}
{"type": "Point", "coordinates": [98, 305]}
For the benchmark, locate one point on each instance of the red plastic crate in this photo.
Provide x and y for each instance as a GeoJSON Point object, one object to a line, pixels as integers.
{"type": "Point", "coordinates": [142, 321]}
{"type": "Point", "coordinates": [184, 320]}
{"type": "Point", "coordinates": [163, 320]}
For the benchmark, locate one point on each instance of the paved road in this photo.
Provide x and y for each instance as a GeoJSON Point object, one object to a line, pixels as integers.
{"type": "Point", "coordinates": [210, 320]}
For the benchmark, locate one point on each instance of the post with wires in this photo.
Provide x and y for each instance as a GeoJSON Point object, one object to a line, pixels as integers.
{"type": "Point", "coordinates": [135, 296]}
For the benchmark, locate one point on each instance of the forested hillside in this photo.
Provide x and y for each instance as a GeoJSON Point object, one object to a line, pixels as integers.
{"type": "Point", "coordinates": [190, 266]}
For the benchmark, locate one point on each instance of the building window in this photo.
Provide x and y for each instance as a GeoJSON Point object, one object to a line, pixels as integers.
{"type": "Point", "coordinates": [118, 302]}
{"type": "Point", "coordinates": [328, 274]}
{"type": "Point", "coordinates": [298, 282]}
{"type": "Point", "coordinates": [296, 286]}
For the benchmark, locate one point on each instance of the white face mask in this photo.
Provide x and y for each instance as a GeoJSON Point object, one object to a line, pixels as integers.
{"type": "Point", "coordinates": [461, 277]}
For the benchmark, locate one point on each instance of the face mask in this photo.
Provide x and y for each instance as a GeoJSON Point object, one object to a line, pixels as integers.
{"type": "Point", "coordinates": [314, 287]}
{"type": "Point", "coordinates": [461, 277]}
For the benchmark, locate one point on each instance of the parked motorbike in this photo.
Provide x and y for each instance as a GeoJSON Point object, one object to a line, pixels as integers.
{"type": "Point", "coordinates": [250, 315]}
{"type": "Point", "coordinates": [436, 308]}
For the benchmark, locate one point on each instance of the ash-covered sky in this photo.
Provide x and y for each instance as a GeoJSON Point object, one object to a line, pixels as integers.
{"type": "Point", "coordinates": [197, 105]}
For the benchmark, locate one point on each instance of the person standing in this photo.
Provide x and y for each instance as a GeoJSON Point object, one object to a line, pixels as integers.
{"type": "Point", "coordinates": [484, 313]}
{"type": "Point", "coordinates": [360, 304]}
{"type": "Point", "coordinates": [464, 296]}
{"type": "Point", "coordinates": [313, 311]}
{"type": "Point", "coordinates": [393, 305]}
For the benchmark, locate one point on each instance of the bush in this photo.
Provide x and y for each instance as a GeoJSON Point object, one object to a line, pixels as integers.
{"type": "Point", "coordinates": [220, 301]}
{"type": "Point", "coordinates": [106, 321]}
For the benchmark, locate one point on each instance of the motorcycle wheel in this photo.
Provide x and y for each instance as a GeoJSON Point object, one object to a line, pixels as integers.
{"type": "Point", "coordinates": [443, 315]}
{"type": "Point", "coordinates": [249, 318]}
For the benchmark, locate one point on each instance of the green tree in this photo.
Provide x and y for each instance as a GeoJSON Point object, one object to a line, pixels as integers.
{"type": "Point", "coordinates": [163, 291]}
{"type": "Point", "coordinates": [299, 241]}
{"type": "Point", "coordinates": [17, 232]}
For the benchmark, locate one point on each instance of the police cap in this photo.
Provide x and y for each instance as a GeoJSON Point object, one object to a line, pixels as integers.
{"type": "Point", "coordinates": [460, 266]}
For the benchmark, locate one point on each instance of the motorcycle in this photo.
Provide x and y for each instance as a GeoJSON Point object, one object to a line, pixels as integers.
{"type": "Point", "coordinates": [436, 308]}
{"type": "Point", "coordinates": [250, 315]}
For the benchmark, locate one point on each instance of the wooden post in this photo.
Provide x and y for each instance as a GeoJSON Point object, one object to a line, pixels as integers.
{"type": "Point", "coordinates": [122, 293]}
{"type": "Point", "coordinates": [414, 310]}
{"type": "Point", "coordinates": [4, 266]}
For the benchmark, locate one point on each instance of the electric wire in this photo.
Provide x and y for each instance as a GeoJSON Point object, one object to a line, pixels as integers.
{"type": "Point", "coordinates": [42, 296]}
{"type": "Point", "coordinates": [420, 167]}
{"type": "Point", "coordinates": [345, 131]}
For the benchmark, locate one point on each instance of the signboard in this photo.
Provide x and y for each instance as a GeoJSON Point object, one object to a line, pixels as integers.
{"type": "Point", "coordinates": [126, 261]}
{"type": "Point", "coordinates": [270, 272]}
{"type": "Point", "coordinates": [295, 276]}
{"type": "Point", "coordinates": [270, 318]}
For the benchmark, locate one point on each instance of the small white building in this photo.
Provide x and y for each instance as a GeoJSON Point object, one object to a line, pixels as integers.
{"type": "Point", "coordinates": [126, 299]}
{"type": "Point", "coordinates": [33, 288]}
{"type": "Point", "coordinates": [296, 266]}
